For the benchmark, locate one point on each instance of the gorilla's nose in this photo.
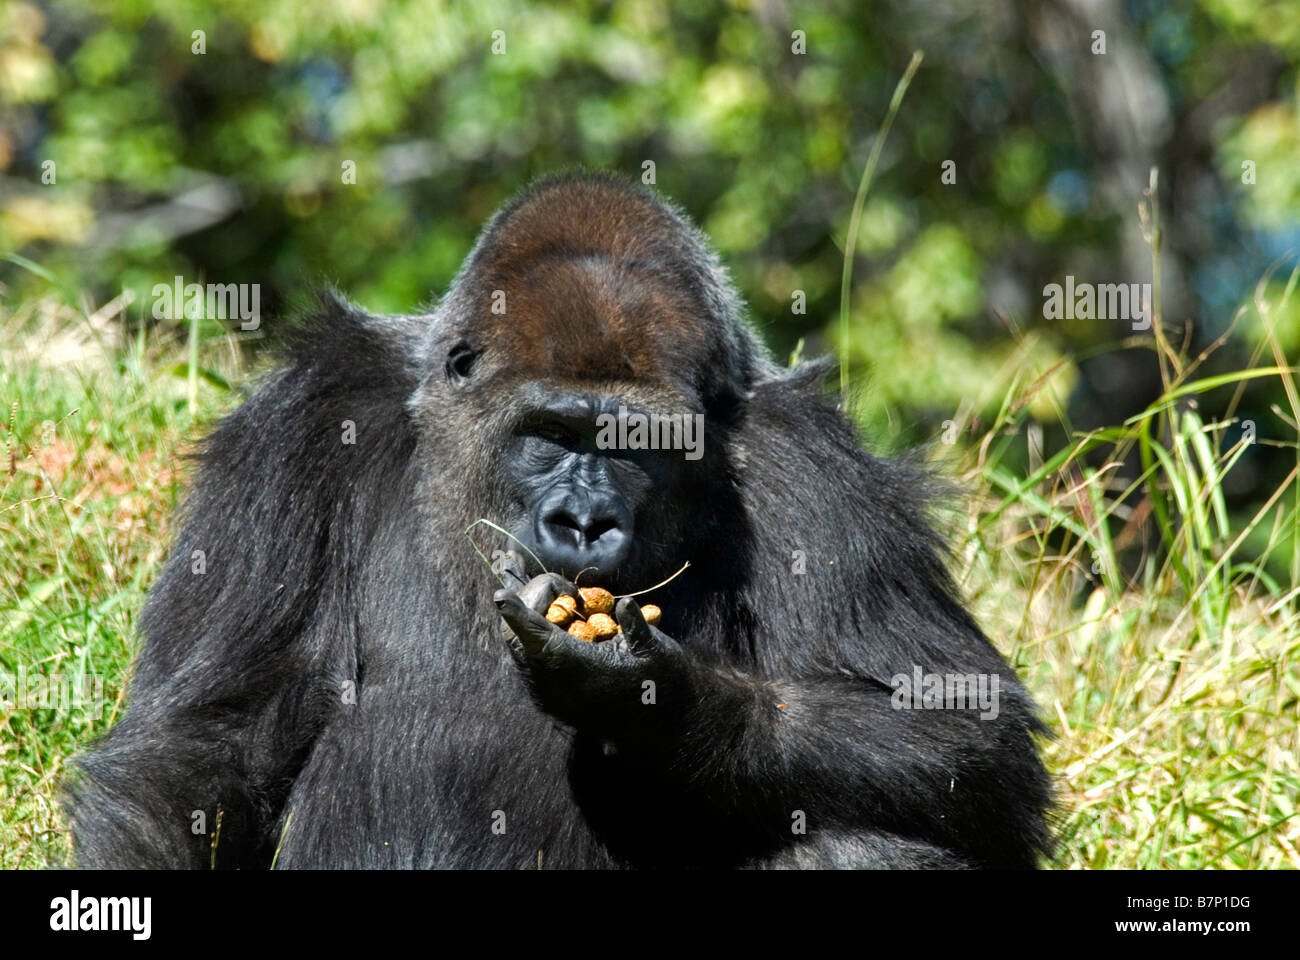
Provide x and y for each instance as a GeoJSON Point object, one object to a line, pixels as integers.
{"type": "Point", "coordinates": [577, 532]}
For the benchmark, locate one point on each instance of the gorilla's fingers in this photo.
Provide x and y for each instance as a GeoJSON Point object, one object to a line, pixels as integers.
{"type": "Point", "coordinates": [538, 593]}
{"type": "Point", "coordinates": [529, 626]}
{"type": "Point", "coordinates": [640, 638]}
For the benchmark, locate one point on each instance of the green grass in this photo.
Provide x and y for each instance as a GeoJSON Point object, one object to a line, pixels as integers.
{"type": "Point", "coordinates": [1168, 673]}
{"type": "Point", "coordinates": [1172, 687]}
{"type": "Point", "coordinates": [95, 435]}
{"type": "Point", "coordinates": [1167, 667]}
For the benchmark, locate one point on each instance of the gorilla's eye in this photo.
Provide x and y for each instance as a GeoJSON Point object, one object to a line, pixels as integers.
{"type": "Point", "coordinates": [460, 361]}
{"type": "Point", "coordinates": [553, 432]}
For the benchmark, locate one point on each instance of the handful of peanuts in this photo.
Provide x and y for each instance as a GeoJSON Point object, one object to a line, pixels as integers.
{"type": "Point", "coordinates": [589, 616]}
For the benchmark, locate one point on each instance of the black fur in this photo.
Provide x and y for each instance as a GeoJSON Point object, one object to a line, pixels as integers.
{"type": "Point", "coordinates": [333, 567]}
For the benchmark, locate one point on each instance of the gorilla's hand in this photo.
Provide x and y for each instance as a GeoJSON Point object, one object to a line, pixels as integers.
{"type": "Point", "coordinates": [634, 685]}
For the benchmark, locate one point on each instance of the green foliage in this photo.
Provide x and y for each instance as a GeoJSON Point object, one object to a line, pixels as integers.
{"type": "Point", "coordinates": [761, 144]}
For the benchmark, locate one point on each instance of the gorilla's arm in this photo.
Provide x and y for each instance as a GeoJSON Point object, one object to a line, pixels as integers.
{"type": "Point", "coordinates": [805, 722]}
{"type": "Point", "coordinates": [836, 749]}
{"type": "Point", "coordinates": [876, 602]}
{"type": "Point", "coordinates": [248, 636]}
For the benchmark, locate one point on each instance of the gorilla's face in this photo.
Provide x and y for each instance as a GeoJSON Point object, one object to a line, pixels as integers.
{"type": "Point", "coordinates": [583, 504]}
{"type": "Point", "coordinates": [560, 464]}
{"type": "Point", "coordinates": [553, 335]}
{"type": "Point", "coordinates": [557, 456]}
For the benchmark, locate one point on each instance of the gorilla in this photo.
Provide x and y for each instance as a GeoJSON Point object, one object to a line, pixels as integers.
{"type": "Point", "coordinates": [331, 675]}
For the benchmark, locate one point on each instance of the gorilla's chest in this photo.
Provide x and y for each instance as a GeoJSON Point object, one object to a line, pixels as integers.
{"type": "Point", "coordinates": [439, 778]}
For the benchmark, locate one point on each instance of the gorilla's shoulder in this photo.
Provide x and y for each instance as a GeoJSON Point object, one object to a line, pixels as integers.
{"type": "Point", "coordinates": [333, 341]}
{"type": "Point", "coordinates": [336, 394]}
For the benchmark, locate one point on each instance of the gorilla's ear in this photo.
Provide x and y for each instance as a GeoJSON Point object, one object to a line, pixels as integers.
{"type": "Point", "coordinates": [727, 404]}
{"type": "Point", "coordinates": [809, 373]}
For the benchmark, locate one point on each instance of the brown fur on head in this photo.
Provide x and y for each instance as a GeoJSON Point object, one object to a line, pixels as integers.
{"type": "Point", "coordinates": [601, 281]}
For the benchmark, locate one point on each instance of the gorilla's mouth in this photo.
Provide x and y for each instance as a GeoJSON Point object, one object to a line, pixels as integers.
{"type": "Point", "coordinates": [524, 566]}
{"type": "Point", "coordinates": [527, 562]}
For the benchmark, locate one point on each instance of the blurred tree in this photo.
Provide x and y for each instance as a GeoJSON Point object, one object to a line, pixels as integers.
{"type": "Point", "coordinates": [215, 140]}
